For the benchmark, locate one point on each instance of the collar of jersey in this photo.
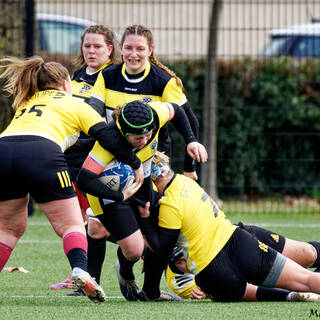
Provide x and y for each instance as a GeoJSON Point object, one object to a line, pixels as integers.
{"type": "Point", "coordinates": [146, 72]}
{"type": "Point", "coordinates": [169, 183]}
{"type": "Point", "coordinates": [105, 65]}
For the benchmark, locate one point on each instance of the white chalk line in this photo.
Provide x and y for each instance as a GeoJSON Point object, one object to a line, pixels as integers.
{"type": "Point", "coordinates": [288, 225]}
{"type": "Point", "coordinates": [58, 297]}
{"type": "Point", "coordinates": [266, 225]}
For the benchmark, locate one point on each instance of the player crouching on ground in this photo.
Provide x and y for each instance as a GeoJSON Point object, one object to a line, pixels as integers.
{"type": "Point", "coordinates": [182, 282]}
{"type": "Point", "coordinates": [223, 257]}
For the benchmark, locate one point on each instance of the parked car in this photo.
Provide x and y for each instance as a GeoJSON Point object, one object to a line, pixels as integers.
{"type": "Point", "coordinates": [302, 41]}
{"type": "Point", "coordinates": [60, 34]}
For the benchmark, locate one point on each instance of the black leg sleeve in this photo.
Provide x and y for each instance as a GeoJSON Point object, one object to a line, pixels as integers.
{"type": "Point", "coordinates": [96, 255]}
{"type": "Point", "coordinates": [153, 270]}
{"type": "Point", "coordinates": [271, 294]}
{"type": "Point", "coordinates": [126, 266]}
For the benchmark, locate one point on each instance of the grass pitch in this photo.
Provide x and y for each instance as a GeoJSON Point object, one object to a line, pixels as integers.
{"type": "Point", "coordinates": [28, 295]}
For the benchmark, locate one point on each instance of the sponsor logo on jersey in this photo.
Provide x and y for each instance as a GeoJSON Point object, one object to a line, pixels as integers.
{"type": "Point", "coordinates": [154, 145]}
{"type": "Point", "coordinates": [130, 89]}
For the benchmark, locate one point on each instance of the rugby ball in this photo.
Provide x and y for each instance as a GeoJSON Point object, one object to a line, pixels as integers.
{"type": "Point", "coordinates": [117, 176]}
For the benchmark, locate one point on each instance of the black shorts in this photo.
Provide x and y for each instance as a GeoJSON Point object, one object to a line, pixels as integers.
{"type": "Point", "coordinates": [119, 219]}
{"type": "Point", "coordinates": [268, 237]}
{"type": "Point", "coordinates": [35, 165]}
{"type": "Point", "coordinates": [242, 260]}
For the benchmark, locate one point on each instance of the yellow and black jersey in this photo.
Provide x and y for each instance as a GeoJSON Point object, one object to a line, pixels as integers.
{"type": "Point", "coordinates": [103, 157]}
{"type": "Point", "coordinates": [114, 87]}
{"type": "Point", "coordinates": [83, 81]}
{"type": "Point", "coordinates": [82, 85]}
{"type": "Point", "coordinates": [180, 284]}
{"type": "Point", "coordinates": [185, 206]}
{"type": "Point", "coordinates": [54, 115]}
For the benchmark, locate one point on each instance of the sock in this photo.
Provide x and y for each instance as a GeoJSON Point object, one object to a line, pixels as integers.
{"type": "Point", "coordinates": [153, 270]}
{"type": "Point", "coordinates": [75, 247]}
{"type": "Point", "coordinates": [78, 258]}
{"type": "Point", "coordinates": [271, 294]}
{"type": "Point", "coordinates": [5, 253]}
{"type": "Point", "coordinates": [126, 266]}
{"type": "Point", "coordinates": [316, 264]}
{"type": "Point", "coordinates": [96, 255]}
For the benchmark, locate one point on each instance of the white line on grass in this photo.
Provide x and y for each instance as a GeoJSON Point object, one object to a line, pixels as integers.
{"type": "Point", "coordinates": [40, 297]}
{"type": "Point", "coordinates": [289, 225]}
{"type": "Point", "coordinates": [40, 241]}
{"type": "Point", "coordinates": [285, 225]}
{"type": "Point", "coordinates": [39, 223]}
{"type": "Point", "coordinates": [267, 225]}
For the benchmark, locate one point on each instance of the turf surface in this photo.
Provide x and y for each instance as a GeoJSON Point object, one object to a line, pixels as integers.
{"type": "Point", "coordinates": [28, 295]}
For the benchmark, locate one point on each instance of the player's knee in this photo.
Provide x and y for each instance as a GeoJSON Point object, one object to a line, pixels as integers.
{"type": "Point", "coordinates": [306, 255]}
{"type": "Point", "coordinates": [19, 231]}
{"type": "Point", "coordinates": [96, 230]}
{"type": "Point", "coordinates": [133, 253]}
{"type": "Point", "coordinates": [310, 252]}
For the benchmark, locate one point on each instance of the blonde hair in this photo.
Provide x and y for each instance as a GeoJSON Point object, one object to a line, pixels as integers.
{"type": "Point", "coordinates": [116, 112]}
{"type": "Point", "coordinates": [160, 167]}
{"type": "Point", "coordinates": [141, 30]}
{"type": "Point", "coordinates": [161, 157]}
{"type": "Point", "coordinates": [24, 77]}
{"type": "Point", "coordinates": [110, 39]}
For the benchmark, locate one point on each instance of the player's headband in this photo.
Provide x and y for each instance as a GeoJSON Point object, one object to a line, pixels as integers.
{"type": "Point", "coordinates": [159, 170]}
{"type": "Point", "coordinates": [176, 254]}
{"type": "Point", "coordinates": [135, 118]}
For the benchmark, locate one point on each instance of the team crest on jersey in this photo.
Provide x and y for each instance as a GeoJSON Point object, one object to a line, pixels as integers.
{"type": "Point", "coordinates": [154, 145]}
{"type": "Point", "coordinates": [146, 99]}
{"type": "Point", "coordinates": [85, 88]}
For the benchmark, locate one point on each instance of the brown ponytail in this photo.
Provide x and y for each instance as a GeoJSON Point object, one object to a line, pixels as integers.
{"type": "Point", "coordinates": [24, 77]}
{"type": "Point", "coordinates": [116, 112]}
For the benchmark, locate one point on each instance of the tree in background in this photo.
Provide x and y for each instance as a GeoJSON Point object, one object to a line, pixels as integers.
{"type": "Point", "coordinates": [12, 43]}
{"type": "Point", "coordinates": [209, 169]}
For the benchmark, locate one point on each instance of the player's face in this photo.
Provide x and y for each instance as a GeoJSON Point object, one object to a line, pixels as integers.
{"type": "Point", "coordinates": [181, 265]}
{"type": "Point", "coordinates": [95, 51]}
{"type": "Point", "coordinates": [135, 52]}
{"type": "Point", "coordinates": [139, 141]}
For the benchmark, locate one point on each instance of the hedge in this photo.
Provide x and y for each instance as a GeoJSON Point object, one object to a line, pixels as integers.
{"type": "Point", "coordinates": [268, 124]}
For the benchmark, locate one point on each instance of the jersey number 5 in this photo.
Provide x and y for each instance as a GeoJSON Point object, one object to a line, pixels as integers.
{"type": "Point", "coordinates": [32, 109]}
